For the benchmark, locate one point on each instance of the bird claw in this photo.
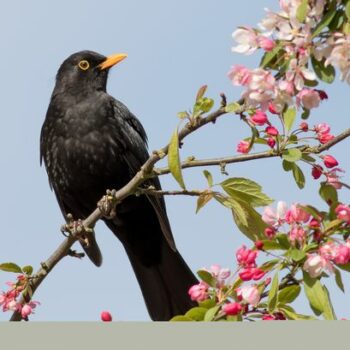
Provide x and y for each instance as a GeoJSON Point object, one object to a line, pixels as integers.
{"type": "Point", "coordinates": [77, 229]}
{"type": "Point", "coordinates": [75, 254]}
{"type": "Point", "coordinates": [107, 205]}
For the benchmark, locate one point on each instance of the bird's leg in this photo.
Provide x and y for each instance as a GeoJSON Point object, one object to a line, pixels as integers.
{"type": "Point", "coordinates": [77, 229]}
{"type": "Point", "coordinates": [75, 254]}
{"type": "Point", "coordinates": [107, 204]}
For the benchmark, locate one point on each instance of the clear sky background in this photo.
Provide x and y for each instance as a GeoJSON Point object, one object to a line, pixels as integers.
{"type": "Point", "coordinates": [174, 47]}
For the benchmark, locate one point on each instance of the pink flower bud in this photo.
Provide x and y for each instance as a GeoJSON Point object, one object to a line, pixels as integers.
{"type": "Point", "coordinates": [271, 142]}
{"type": "Point", "coordinates": [325, 138]}
{"type": "Point", "coordinates": [106, 316]}
{"type": "Point", "coordinates": [26, 311]}
{"type": "Point", "coordinates": [198, 292]}
{"type": "Point", "coordinates": [342, 255]}
{"type": "Point", "coordinates": [273, 108]}
{"type": "Point", "coordinates": [270, 232]}
{"type": "Point", "coordinates": [246, 257]}
{"type": "Point", "coordinates": [259, 118]}
{"type": "Point", "coordinates": [329, 161]}
{"type": "Point", "coordinates": [249, 294]}
{"type": "Point", "coordinates": [232, 309]}
{"type": "Point", "coordinates": [315, 264]}
{"type": "Point", "coordinates": [323, 95]}
{"type": "Point", "coordinates": [243, 147]}
{"type": "Point", "coordinates": [259, 245]}
{"type": "Point", "coordinates": [317, 171]}
{"type": "Point", "coordinates": [343, 212]}
{"type": "Point", "coordinates": [297, 214]}
{"type": "Point", "coordinates": [304, 126]}
{"type": "Point", "coordinates": [271, 130]}
{"type": "Point", "coordinates": [268, 318]}
{"type": "Point", "coordinates": [266, 43]}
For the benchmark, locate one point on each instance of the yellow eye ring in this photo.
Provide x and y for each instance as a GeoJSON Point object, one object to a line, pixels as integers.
{"type": "Point", "coordinates": [84, 65]}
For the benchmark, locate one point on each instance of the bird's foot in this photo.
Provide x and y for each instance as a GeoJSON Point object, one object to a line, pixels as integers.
{"type": "Point", "coordinates": [107, 205]}
{"type": "Point", "coordinates": [77, 229]}
{"type": "Point", "coordinates": [75, 254]}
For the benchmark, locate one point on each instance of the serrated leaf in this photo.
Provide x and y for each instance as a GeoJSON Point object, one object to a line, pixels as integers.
{"type": "Point", "coordinates": [347, 10]}
{"type": "Point", "coordinates": [203, 199]}
{"type": "Point", "coordinates": [314, 292]}
{"type": "Point", "coordinates": [201, 92]}
{"type": "Point", "coordinates": [196, 313]}
{"type": "Point", "coordinates": [296, 254]}
{"type": "Point", "coordinates": [246, 190]}
{"type": "Point", "coordinates": [207, 304]}
{"type": "Point", "coordinates": [27, 269]}
{"type": "Point", "coordinates": [326, 20]}
{"type": "Point", "coordinates": [232, 107]}
{"type": "Point", "coordinates": [10, 267]}
{"type": "Point", "coordinates": [302, 11]}
{"type": "Point", "coordinates": [210, 314]}
{"type": "Point", "coordinates": [207, 277]}
{"type": "Point", "coordinates": [181, 318]}
{"type": "Point", "coordinates": [273, 294]}
{"type": "Point", "coordinates": [326, 74]}
{"type": "Point", "coordinates": [289, 294]}
{"type": "Point", "coordinates": [289, 118]}
{"type": "Point", "coordinates": [209, 177]}
{"type": "Point", "coordinates": [174, 159]}
{"type": "Point", "coordinates": [299, 176]}
{"type": "Point", "coordinates": [292, 154]}
{"type": "Point", "coordinates": [339, 280]}
{"type": "Point", "coordinates": [328, 193]}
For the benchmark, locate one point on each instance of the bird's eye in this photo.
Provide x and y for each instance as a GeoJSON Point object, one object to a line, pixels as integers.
{"type": "Point", "coordinates": [84, 65]}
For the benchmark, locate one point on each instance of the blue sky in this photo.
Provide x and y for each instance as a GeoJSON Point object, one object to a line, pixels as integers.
{"type": "Point", "coordinates": [174, 47]}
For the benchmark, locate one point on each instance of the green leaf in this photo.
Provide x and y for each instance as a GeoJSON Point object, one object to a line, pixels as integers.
{"type": "Point", "coordinates": [27, 269]}
{"type": "Point", "coordinates": [201, 92]}
{"type": "Point", "coordinates": [174, 159]}
{"type": "Point", "coordinates": [345, 267]}
{"type": "Point", "coordinates": [181, 319]}
{"type": "Point", "coordinates": [298, 176]}
{"type": "Point", "coordinates": [270, 56]}
{"type": "Point", "coordinates": [289, 118]}
{"type": "Point", "coordinates": [246, 190]}
{"type": "Point", "coordinates": [347, 10]}
{"type": "Point", "coordinates": [308, 158]}
{"type": "Point", "coordinates": [314, 292]}
{"type": "Point", "coordinates": [339, 280]}
{"type": "Point", "coordinates": [328, 193]}
{"type": "Point", "coordinates": [297, 255]}
{"type": "Point", "coordinates": [210, 314]}
{"type": "Point", "coordinates": [203, 199]}
{"type": "Point", "coordinates": [292, 315]}
{"type": "Point", "coordinates": [183, 115]}
{"type": "Point", "coordinates": [271, 245]}
{"type": "Point", "coordinates": [273, 294]}
{"type": "Point", "coordinates": [10, 267]}
{"type": "Point", "coordinates": [203, 105]}
{"type": "Point", "coordinates": [209, 177]}
{"type": "Point", "coordinates": [289, 294]}
{"type": "Point", "coordinates": [287, 166]}
{"type": "Point", "coordinates": [328, 313]}
{"type": "Point", "coordinates": [326, 74]}
{"type": "Point", "coordinates": [207, 277]}
{"type": "Point", "coordinates": [302, 11]}
{"type": "Point", "coordinates": [232, 107]}
{"type": "Point", "coordinates": [269, 265]}
{"type": "Point", "coordinates": [292, 154]}
{"type": "Point", "coordinates": [282, 239]}
{"type": "Point", "coordinates": [235, 206]}
{"type": "Point", "coordinates": [207, 304]}
{"type": "Point", "coordinates": [311, 210]}
{"type": "Point", "coordinates": [196, 313]}
{"type": "Point", "coordinates": [326, 20]}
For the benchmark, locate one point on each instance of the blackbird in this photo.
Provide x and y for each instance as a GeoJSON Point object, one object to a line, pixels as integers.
{"type": "Point", "coordinates": [91, 142]}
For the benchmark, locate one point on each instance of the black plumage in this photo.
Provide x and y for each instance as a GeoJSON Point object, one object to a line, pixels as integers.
{"type": "Point", "coordinates": [91, 142]}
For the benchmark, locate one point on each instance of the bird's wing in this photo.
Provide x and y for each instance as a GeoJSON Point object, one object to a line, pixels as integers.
{"type": "Point", "coordinates": [134, 135]}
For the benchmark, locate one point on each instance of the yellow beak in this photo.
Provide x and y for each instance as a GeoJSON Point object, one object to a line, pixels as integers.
{"type": "Point", "coordinates": [112, 60]}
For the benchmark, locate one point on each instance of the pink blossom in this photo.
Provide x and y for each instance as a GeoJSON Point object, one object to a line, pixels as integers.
{"type": "Point", "coordinates": [271, 130]}
{"type": "Point", "coordinates": [275, 218]}
{"type": "Point", "coordinates": [316, 264]}
{"type": "Point", "coordinates": [220, 274]}
{"type": "Point", "coordinates": [308, 98]}
{"type": "Point", "coordinates": [239, 75]}
{"type": "Point", "coordinates": [297, 214]}
{"type": "Point", "coordinates": [329, 161]}
{"type": "Point", "coordinates": [322, 128]}
{"type": "Point", "coordinates": [259, 118]}
{"type": "Point", "coordinates": [333, 178]}
{"type": "Point", "coordinates": [342, 256]}
{"type": "Point", "coordinates": [232, 309]}
{"type": "Point", "coordinates": [243, 147]}
{"type": "Point", "coordinates": [247, 40]}
{"type": "Point", "coordinates": [325, 138]}
{"type": "Point", "coordinates": [249, 294]}
{"type": "Point", "coordinates": [246, 257]}
{"type": "Point", "coordinates": [297, 233]}
{"type": "Point", "coordinates": [251, 273]}
{"type": "Point", "coordinates": [106, 316]}
{"type": "Point", "coordinates": [328, 250]}
{"type": "Point", "coordinates": [199, 292]}
{"type": "Point", "coordinates": [266, 43]}
{"type": "Point", "coordinates": [343, 212]}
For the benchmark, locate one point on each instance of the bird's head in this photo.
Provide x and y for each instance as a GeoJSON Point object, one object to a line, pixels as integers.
{"type": "Point", "coordinates": [85, 71]}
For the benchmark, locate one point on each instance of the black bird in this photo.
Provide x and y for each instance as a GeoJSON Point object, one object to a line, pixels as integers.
{"type": "Point", "coordinates": [91, 142]}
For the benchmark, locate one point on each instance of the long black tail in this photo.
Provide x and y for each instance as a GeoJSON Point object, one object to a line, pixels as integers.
{"type": "Point", "coordinates": [164, 285]}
